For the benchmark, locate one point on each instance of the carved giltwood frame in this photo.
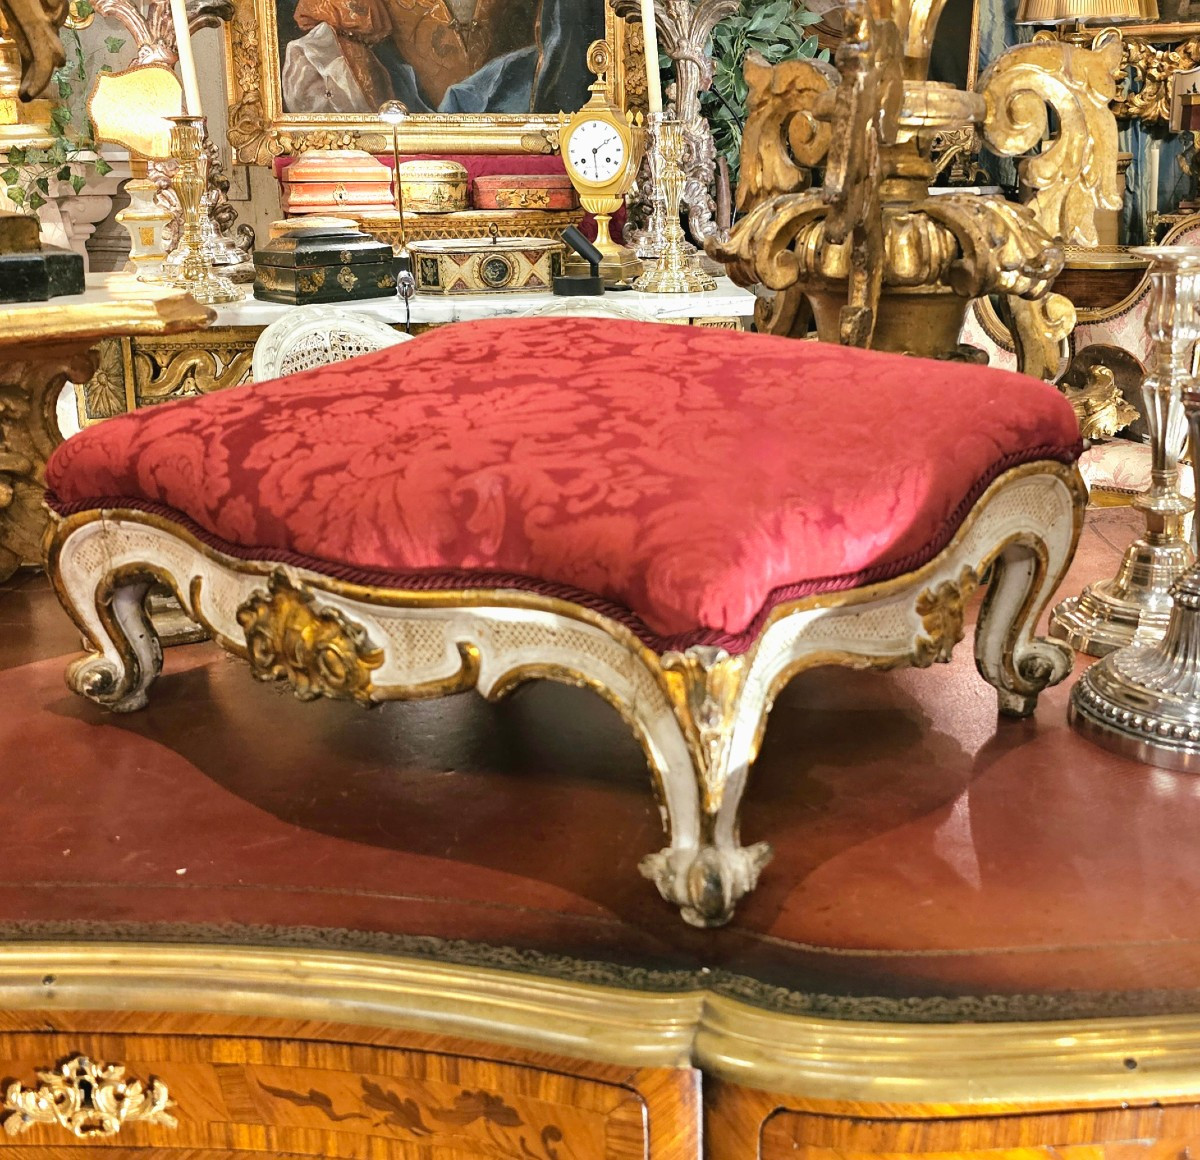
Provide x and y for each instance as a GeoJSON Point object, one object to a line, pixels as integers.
{"type": "Point", "coordinates": [260, 130]}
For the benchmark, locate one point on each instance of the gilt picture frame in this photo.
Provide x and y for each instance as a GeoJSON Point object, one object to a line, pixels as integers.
{"type": "Point", "coordinates": [266, 120]}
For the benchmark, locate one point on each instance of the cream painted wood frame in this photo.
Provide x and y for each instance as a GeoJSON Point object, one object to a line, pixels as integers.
{"type": "Point", "coordinates": [699, 714]}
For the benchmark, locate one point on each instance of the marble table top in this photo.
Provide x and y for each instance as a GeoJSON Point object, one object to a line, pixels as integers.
{"type": "Point", "coordinates": [727, 300]}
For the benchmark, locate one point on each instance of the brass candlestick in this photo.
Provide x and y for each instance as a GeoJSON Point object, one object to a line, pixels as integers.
{"type": "Point", "coordinates": [190, 267]}
{"type": "Point", "coordinates": [1136, 603]}
{"type": "Point", "coordinates": [673, 272]}
{"type": "Point", "coordinates": [394, 113]}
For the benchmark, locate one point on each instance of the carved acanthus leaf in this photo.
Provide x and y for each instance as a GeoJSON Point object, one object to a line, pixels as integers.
{"type": "Point", "coordinates": [784, 139]}
{"type": "Point", "coordinates": [1154, 66]}
{"type": "Point", "coordinates": [1003, 248]}
{"type": "Point", "coordinates": [1076, 173]}
{"type": "Point", "coordinates": [1040, 329]}
{"type": "Point", "coordinates": [318, 650]}
{"type": "Point", "coordinates": [942, 610]}
{"type": "Point", "coordinates": [762, 246]}
{"type": "Point", "coordinates": [704, 684]}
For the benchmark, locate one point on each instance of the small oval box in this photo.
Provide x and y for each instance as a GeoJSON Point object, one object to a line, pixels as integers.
{"type": "Point", "coordinates": [476, 266]}
{"type": "Point", "coordinates": [433, 186]}
{"type": "Point", "coordinates": [548, 191]}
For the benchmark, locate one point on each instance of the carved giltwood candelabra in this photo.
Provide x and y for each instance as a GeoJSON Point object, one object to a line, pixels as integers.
{"type": "Point", "coordinates": [879, 261]}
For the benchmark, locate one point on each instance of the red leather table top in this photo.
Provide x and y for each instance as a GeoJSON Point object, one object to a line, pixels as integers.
{"type": "Point", "coordinates": [932, 861]}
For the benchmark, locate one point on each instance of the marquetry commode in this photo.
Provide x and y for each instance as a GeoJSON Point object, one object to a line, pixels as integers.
{"type": "Point", "coordinates": [208, 1052]}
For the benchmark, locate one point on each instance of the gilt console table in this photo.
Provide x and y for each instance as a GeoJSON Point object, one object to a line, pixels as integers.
{"type": "Point", "coordinates": [141, 370]}
{"type": "Point", "coordinates": [43, 346]}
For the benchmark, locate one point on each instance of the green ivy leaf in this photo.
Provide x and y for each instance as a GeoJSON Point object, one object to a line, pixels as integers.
{"type": "Point", "coordinates": [63, 173]}
{"type": "Point", "coordinates": [16, 156]}
{"type": "Point", "coordinates": [114, 43]}
{"type": "Point", "coordinates": [102, 167]}
{"type": "Point", "coordinates": [84, 8]}
{"type": "Point", "coordinates": [42, 184]}
{"type": "Point", "coordinates": [16, 196]}
{"type": "Point", "coordinates": [78, 181]}
{"type": "Point", "coordinates": [9, 176]}
{"type": "Point", "coordinates": [36, 200]}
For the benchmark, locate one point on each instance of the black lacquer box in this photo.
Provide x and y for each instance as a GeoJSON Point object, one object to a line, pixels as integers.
{"type": "Point", "coordinates": [324, 264]}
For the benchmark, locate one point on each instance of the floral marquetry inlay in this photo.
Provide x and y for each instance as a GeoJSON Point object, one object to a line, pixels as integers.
{"type": "Point", "coordinates": [88, 1099]}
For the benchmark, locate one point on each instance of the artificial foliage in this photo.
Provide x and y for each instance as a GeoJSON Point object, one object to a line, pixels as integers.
{"type": "Point", "coordinates": [776, 29]}
{"type": "Point", "coordinates": [73, 151]}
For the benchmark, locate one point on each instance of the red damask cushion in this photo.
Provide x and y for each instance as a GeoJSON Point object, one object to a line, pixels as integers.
{"type": "Point", "coordinates": [678, 478]}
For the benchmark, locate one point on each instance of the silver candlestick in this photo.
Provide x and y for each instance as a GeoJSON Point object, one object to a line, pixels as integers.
{"type": "Point", "coordinates": [648, 243]}
{"type": "Point", "coordinates": [1136, 603]}
{"type": "Point", "coordinates": [1144, 700]}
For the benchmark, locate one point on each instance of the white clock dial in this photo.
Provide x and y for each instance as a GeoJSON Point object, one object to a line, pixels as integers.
{"type": "Point", "coordinates": [596, 151]}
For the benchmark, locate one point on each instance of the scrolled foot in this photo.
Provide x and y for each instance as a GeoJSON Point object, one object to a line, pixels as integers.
{"type": "Point", "coordinates": [1038, 665]}
{"type": "Point", "coordinates": [128, 654]}
{"type": "Point", "coordinates": [100, 680]}
{"type": "Point", "coordinates": [1017, 664]}
{"type": "Point", "coordinates": [706, 883]}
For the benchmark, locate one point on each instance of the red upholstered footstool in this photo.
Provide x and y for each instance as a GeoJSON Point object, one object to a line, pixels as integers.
{"type": "Point", "coordinates": [680, 519]}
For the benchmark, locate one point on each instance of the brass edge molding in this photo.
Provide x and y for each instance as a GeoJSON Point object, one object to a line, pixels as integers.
{"type": "Point", "coordinates": [1140, 1058]}
{"type": "Point", "coordinates": [1092, 1060]}
{"type": "Point", "coordinates": [604, 1024]}
{"type": "Point", "coordinates": [80, 322]}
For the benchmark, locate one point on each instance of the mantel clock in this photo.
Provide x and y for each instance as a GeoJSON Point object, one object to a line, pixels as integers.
{"type": "Point", "coordinates": [601, 147]}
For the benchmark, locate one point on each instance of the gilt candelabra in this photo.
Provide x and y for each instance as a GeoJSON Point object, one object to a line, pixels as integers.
{"type": "Point", "coordinates": [190, 264]}
{"type": "Point", "coordinates": [674, 270]}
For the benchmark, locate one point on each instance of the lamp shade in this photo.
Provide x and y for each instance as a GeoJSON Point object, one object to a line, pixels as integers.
{"type": "Point", "coordinates": [1086, 11]}
{"type": "Point", "coordinates": [131, 108]}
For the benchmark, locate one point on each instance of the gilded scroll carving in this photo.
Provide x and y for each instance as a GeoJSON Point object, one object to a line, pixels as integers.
{"type": "Point", "coordinates": [318, 650]}
{"type": "Point", "coordinates": [942, 610]}
{"type": "Point", "coordinates": [880, 262]}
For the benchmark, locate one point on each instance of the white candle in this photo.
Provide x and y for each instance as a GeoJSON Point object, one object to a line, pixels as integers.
{"type": "Point", "coordinates": [187, 62]}
{"type": "Point", "coordinates": [650, 37]}
{"type": "Point", "coordinates": [1153, 179]}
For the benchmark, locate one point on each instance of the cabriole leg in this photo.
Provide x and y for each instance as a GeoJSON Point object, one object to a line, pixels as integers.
{"type": "Point", "coordinates": [1009, 657]}
{"type": "Point", "coordinates": [128, 655]}
{"type": "Point", "coordinates": [721, 723]}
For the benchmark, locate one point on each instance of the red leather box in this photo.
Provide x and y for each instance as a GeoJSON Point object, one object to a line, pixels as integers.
{"type": "Point", "coordinates": [552, 191]}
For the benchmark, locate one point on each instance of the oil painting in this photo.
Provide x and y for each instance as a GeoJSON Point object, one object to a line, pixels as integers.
{"type": "Point", "coordinates": [437, 56]}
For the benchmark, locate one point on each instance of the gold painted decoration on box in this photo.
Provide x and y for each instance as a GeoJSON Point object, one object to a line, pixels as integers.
{"type": "Point", "coordinates": [433, 186]}
{"type": "Point", "coordinates": [502, 265]}
{"type": "Point", "coordinates": [469, 223]}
